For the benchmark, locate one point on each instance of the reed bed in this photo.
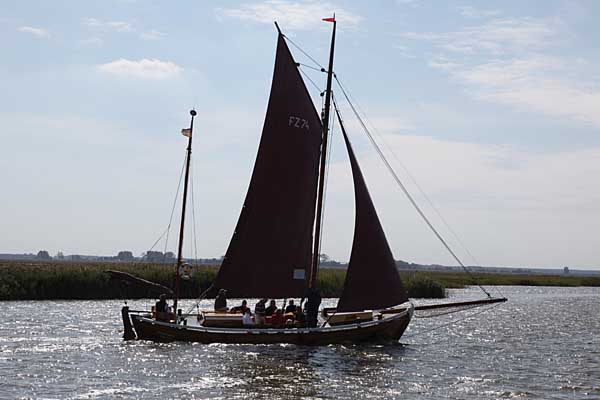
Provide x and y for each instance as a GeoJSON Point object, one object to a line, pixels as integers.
{"type": "Point", "coordinates": [459, 280]}
{"type": "Point", "coordinates": [87, 280]}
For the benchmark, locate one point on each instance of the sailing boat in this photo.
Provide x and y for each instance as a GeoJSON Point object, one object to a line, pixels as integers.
{"type": "Point", "coordinates": [274, 251]}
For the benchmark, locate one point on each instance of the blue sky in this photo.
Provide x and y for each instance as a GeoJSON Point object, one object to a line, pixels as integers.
{"type": "Point", "coordinates": [493, 107]}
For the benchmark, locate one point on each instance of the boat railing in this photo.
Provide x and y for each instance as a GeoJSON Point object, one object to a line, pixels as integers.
{"type": "Point", "coordinates": [139, 312]}
{"type": "Point", "coordinates": [151, 312]}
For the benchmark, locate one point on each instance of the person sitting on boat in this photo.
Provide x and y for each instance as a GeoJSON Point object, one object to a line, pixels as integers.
{"type": "Point", "coordinates": [241, 309]}
{"type": "Point", "coordinates": [300, 318]}
{"type": "Point", "coordinates": [269, 311]}
{"type": "Point", "coordinates": [221, 301]}
{"type": "Point", "coordinates": [259, 312]}
{"type": "Point", "coordinates": [313, 301]}
{"type": "Point", "coordinates": [247, 318]}
{"type": "Point", "coordinates": [277, 319]}
{"type": "Point", "coordinates": [162, 308]}
{"type": "Point", "coordinates": [291, 307]}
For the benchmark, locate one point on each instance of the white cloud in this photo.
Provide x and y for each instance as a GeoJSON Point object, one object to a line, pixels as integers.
{"type": "Point", "coordinates": [291, 15]}
{"type": "Point", "coordinates": [117, 26]}
{"type": "Point", "coordinates": [503, 61]}
{"type": "Point", "coordinates": [395, 123]}
{"type": "Point", "coordinates": [535, 83]}
{"type": "Point", "coordinates": [443, 64]}
{"type": "Point", "coordinates": [142, 69]}
{"type": "Point", "coordinates": [99, 26]}
{"type": "Point", "coordinates": [472, 12]}
{"type": "Point", "coordinates": [404, 51]}
{"type": "Point", "coordinates": [510, 207]}
{"type": "Point", "coordinates": [39, 32]}
{"type": "Point", "coordinates": [152, 35]}
{"type": "Point", "coordinates": [498, 173]}
{"type": "Point", "coordinates": [407, 2]}
{"type": "Point", "coordinates": [497, 37]}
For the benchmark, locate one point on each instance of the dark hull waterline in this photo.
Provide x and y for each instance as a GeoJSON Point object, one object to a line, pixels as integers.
{"type": "Point", "coordinates": [389, 328]}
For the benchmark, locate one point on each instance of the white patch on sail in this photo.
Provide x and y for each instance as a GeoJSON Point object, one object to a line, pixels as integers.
{"type": "Point", "coordinates": [299, 274]}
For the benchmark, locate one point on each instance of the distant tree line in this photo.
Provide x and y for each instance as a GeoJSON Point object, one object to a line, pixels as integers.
{"type": "Point", "coordinates": [155, 257]}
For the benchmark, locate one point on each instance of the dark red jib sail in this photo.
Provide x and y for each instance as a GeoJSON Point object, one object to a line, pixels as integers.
{"type": "Point", "coordinates": [372, 280]}
{"type": "Point", "coordinates": [269, 253]}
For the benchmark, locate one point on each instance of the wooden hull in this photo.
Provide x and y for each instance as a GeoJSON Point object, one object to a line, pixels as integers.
{"type": "Point", "coordinates": [388, 328]}
{"type": "Point", "coordinates": [349, 317]}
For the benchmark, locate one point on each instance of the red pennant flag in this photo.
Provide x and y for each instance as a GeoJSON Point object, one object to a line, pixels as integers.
{"type": "Point", "coordinates": [329, 19]}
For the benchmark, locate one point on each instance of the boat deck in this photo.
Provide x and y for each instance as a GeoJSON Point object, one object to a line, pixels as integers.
{"type": "Point", "coordinates": [384, 327]}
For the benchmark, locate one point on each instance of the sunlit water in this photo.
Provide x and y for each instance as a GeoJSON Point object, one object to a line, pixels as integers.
{"type": "Point", "coordinates": [543, 344]}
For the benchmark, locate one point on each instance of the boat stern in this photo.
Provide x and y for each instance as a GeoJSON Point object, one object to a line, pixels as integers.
{"type": "Point", "coordinates": [128, 331]}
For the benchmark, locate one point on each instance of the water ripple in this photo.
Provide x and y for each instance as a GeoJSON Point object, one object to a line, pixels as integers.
{"type": "Point", "coordinates": [544, 343]}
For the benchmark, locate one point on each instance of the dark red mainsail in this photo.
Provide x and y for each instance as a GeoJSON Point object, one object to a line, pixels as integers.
{"type": "Point", "coordinates": [372, 280]}
{"type": "Point", "coordinates": [270, 251]}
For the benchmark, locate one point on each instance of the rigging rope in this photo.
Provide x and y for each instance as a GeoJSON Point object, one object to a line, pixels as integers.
{"type": "Point", "coordinates": [158, 240]}
{"type": "Point", "coordinates": [403, 187]}
{"type": "Point", "coordinates": [348, 98]}
{"type": "Point", "coordinates": [414, 181]}
{"type": "Point", "coordinates": [195, 239]}
{"type": "Point", "coordinates": [198, 300]}
{"type": "Point", "coordinates": [392, 171]}
{"type": "Point", "coordinates": [451, 322]}
{"type": "Point", "coordinates": [172, 211]}
{"type": "Point", "coordinates": [311, 67]}
{"type": "Point", "coordinates": [303, 52]}
{"type": "Point", "coordinates": [332, 124]}
{"type": "Point", "coordinates": [311, 81]}
{"type": "Point", "coordinates": [175, 202]}
{"type": "Point", "coordinates": [452, 311]}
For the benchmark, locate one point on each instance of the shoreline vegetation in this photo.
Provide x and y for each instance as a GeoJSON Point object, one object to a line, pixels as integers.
{"type": "Point", "coordinates": [21, 280]}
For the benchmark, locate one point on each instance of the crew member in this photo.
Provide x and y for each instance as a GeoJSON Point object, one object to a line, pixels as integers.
{"type": "Point", "coordinates": [300, 317]}
{"type": "Point", "coordinates": [291, 307]}
{"type": "Point", "coordinates": [241, 309]}
{"type": "Point", "coordinates": [162, 308]}
{"type": "Point", "coordinates": [313, 301]}
{"type": "Point", "coordinates": [247, 318]}
{"type": "Point", "coordinates": [259, 312]}
{"type": "Point", "coordinates": [221, 301]}
{"type": "Point", "coordinates": [269, 311]}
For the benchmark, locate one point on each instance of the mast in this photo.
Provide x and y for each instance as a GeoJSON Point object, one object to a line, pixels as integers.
{"type": "Point", "coordinates": [325, 123]}
{"type": "Point", "coordinates": [181, 226]}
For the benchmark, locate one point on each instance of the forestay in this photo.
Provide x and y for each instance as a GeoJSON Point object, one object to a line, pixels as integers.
{"type": "Point", "coordinates": [269, 253]}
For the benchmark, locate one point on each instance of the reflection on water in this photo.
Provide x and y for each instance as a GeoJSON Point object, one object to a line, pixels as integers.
{"type": "Point", "coordinates": [543, 343]}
